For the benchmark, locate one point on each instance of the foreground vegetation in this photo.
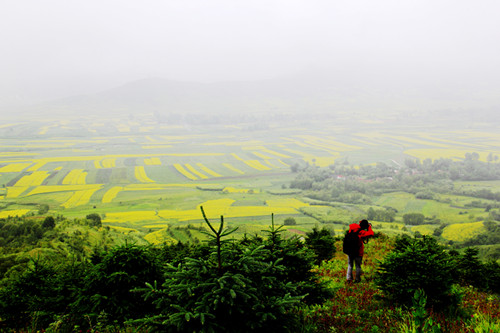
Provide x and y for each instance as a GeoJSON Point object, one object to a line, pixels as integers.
{"type": "Point", "coordinates": [266, 282]}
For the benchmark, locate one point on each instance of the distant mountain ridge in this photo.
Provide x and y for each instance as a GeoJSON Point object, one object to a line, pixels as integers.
{"type": "Point", "coordinates": [324, 93]}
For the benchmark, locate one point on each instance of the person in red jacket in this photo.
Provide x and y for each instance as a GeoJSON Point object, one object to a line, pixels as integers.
{"type": "Point", "coordinates": [364, 230]}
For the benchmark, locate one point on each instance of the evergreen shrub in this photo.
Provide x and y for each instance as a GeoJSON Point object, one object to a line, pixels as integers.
{"type": "Point", "coordinates": [418, 264]}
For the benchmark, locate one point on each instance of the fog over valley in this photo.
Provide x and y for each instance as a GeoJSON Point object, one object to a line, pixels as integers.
{"type": "Point", "coordinates": [259, 57]}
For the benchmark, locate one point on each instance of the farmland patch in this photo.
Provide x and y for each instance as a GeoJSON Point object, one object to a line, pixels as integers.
{"type": "Point", "coordinates": [463, 231]}
{"type": "Point", "coordinates": [13, 213]}
{"type": "Point", "coordinates": [140, 175]}
{"type": "Point", "coordinates": [14, 167]}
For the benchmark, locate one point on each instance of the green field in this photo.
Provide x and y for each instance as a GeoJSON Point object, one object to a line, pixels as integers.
{"type": "Point", "coordinates": [150, 176]}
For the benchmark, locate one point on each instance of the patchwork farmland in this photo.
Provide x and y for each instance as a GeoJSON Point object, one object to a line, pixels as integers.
{"type": "Point", "coordinates": [148, 176]}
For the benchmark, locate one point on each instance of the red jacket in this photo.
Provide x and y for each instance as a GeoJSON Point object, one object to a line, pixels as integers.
{"type": "Point", "coordinates": [363, 234]}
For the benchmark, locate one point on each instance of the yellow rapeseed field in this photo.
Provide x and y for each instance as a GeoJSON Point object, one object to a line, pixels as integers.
{"type": "Point", "coordinates": [20, 165]}
{"type": "Point", "coordinates": [140, 174]}
{"type": "Point", "coordinates": [75, 177]}
{"type": "Point", "coordinates": [232, 168]}
{"type": "Point", "coordinates": [7, 125]}
{"type": "Point", "coordinates": [14, 192]}
{"type": "Point", "coordinates": [37, 165]}
{"type": "Point", "coordinates": [236, 157]}
{"type": "Point", "coordinates": [152, 161]}
{"type": "Point", "coordinates": [213, 209]}
{"type": "Point", "coordinates": [15, 167]}
{"type": "Point", "coordinates": [217, 203]}
{"type": "Point", "coordinates": [284, 164]}
{"type": "Point", "coordinates": [424, 229]}
{"type": "Point", "coordinates": [16, 212]}
{"type": "Point", "coordinates": [286, 202]}
{"type": "Point", "coordinates": [44, 130]}
{"type": "Point", "coordinates": [79, 198]}
{"type": "Point", "coordinates": [105, 163]}
{"type": "Point", "coordinates": [123, 229]}
{"type": "Point", "coordinates": [62, 188]}
{"type": "Point", "coordinates": [111, 194]}
{"type": "Point", "coordinates": [261, 155]}
{"type": "Point", "coordinates": [35, 179]}
{"type": "Point", "coordinates": [159, 237]}
{"type": "Point", "coordinates": [256, 165]}
{"type": "Point", "coordinates": [462, 231]}
{"type": "Point", "coordinates": [184, 172]}
{"type": "Point", "coordinates": [207, 170]}
{"type": "Point", "coordinates": [123, 128]}
{"type": "Point", "coordinates": [265, 150]}
{"type": "Point", "coordinates": [196, 172]}
{"type": "Point", "coordinates": [109, 162]}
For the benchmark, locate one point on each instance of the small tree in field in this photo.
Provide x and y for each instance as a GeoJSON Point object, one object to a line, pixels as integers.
{"type": "Point", "coordinates": [94, 220]}
{"type": "Point", "coordinates": [289, 221]}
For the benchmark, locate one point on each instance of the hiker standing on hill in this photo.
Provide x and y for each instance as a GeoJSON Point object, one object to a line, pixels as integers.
{"type": "Point", "coordinates": [354, 247]}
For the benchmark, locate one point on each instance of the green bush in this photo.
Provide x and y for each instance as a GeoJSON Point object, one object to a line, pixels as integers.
{"type": "Point", "coordinates": [418, 264]}
{"type": "Point", "coordinates": [289, 221]}
{"type": "Point", "coordinates": [107, 285]}
{"type": "Point", "coordinates": [38, 294]}
{"type": "Point", "coordinates": [94, 220]}
{"type": "Point", "coordinates": [49, 223]}
{"type": "Point", "coordinates": [322, 243]}
{"type": "Point", "coordinates": [469, 270]}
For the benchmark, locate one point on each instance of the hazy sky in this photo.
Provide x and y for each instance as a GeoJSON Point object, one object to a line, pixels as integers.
{"type": "Point", "coordinates": [53, 48]}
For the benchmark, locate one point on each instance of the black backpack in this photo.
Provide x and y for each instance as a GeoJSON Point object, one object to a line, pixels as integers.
{"type": "Point", "coordinates": [351, 243]}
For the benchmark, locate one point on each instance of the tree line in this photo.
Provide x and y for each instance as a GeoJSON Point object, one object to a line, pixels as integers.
{"type": "Point", "coordinates": [210, 287]}
{"type": "Point", "coordinates": [415, 176]}
{"type": "Point", "coordinates": [254, 284]}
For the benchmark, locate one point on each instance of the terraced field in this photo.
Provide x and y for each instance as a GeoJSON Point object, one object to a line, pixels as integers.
{"type": "Point", "coordinates": [146, 176]}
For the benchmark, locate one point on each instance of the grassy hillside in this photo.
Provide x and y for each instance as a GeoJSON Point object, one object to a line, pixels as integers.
{"type": "Point", "coordinates": [61, 259]}
{"type": "Point", "coordinates": [361, 307]}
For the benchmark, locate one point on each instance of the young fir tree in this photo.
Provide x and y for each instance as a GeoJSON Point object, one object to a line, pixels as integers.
{"type": "Point", "coordinates": [237, 288]}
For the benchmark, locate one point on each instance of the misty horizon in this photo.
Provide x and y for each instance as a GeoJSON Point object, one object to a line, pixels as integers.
{"type": "Point", "coordinates": [444, 50]}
